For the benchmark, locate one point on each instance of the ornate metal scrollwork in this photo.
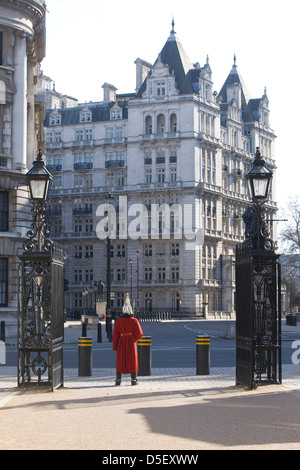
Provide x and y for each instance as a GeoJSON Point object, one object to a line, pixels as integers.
{"type": "Point", "coordinates": [257, 234]}
{"type": "Point", "coordinates": [39, 365]}
{"type": "Point", "coordinates": [36, 303]}
{"type": "Point", "coordinates": [260, 364]}
{"type": "Point", "coordinates": [38, 234]}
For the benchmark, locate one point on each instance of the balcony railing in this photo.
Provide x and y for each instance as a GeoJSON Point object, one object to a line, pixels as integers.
{"type": "Point", "coordinates": [54, 167]}
{"type": "Point", "coordinates": [82, 210]}
{"type": "Point", "coordinates": [83, 166]}
{"type": "Point", "coordinates": [114, 164]}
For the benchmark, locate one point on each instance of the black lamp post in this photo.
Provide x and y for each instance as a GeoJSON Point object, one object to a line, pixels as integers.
{"type": "Point", "coordinates": [109, 201]}
{"type": "Point", "coordinates": [130, 264]}
{"type": "Point", "coordinates": [39, 180]}
{"type": "Point", "coordinates": [137, 282]}
{"type": "Point", "coordinates": [41, 314]}
{"type": "Point", "coordinates": [258, 289]}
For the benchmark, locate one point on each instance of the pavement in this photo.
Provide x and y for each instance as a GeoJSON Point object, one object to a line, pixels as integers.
{"type": "Point", "coordinates": [172, 412]}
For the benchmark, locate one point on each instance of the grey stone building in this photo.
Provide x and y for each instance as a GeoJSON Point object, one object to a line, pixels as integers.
{"type": "Point", "coordinates": [173, 154]}
{"type": "Point", "coordinates": [22, 48]}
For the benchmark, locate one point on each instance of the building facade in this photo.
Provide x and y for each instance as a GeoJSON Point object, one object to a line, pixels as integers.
{"type": "Point", "coordinates": [173, 155]}
{"type": "Point", "coordinates": [22, 48]}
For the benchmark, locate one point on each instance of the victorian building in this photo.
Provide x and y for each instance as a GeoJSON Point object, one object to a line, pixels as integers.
{"type": "Point", "coordinates": [22, 48]}
{"type": "Point", "coordinates": [173, 154]}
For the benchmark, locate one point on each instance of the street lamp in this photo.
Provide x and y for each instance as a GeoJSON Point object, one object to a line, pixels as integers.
{"type": "Point", "coordinates": [109, 201]}
{"type": "Point", "coordinates": [256, 228]}
{"type": "Point", "coordinates": [259, 178]}
{"type": "Point", "coordinates": [137, 281]}
{"type": "Point", "coordinates": [39, 180]}
{"type": "Point", "coordinates": [130, 264]}
{"type": "Point", "coordinates": [41, 313]}
{"type": "Point", "coordinates": [258, 289]}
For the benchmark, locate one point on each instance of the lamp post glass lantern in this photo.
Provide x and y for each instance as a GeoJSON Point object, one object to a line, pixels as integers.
{"type": "Point", "coordinates": [259, 178]}
{"type": "Point", "coordinates": [39, 180]}
{"type": "Point", "coordinates": [257, 231]}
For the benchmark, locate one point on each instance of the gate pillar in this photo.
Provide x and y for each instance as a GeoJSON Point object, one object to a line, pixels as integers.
{"type": "Point", "coordinates": [258, 320]}
{"type": "Point", "coordinates": [41, 293]}
{"type": "Point", "coordinates": [41, 318]}
{"type": "Point", "coordinates": [258, 290]}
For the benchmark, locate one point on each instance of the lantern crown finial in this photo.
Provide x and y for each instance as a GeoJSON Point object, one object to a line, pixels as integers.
{"type": "Point", "coordinates": [39, 155]}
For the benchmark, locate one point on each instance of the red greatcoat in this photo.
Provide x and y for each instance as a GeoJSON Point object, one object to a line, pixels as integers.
{"type": "Point", "coordinates": [127, 331]}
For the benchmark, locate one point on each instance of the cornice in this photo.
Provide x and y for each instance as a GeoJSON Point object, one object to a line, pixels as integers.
{"type": "Point", "coordinates": [34, 9]}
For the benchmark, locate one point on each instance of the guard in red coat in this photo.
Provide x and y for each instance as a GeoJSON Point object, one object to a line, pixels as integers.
{"type": "Point", "coordinates": [127, 331]}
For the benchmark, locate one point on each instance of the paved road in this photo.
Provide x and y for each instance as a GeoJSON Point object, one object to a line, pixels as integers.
{"type": "Point", "coordinates": [173, 344]}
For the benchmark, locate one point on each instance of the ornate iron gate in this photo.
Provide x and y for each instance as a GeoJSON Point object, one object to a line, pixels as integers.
{"type": "Point", "coordinates": [258, 320]}
{"type": "Point", "coordinates": [41, 322]}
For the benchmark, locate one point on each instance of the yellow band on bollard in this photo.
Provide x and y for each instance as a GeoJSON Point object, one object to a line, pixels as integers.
{"type": "Point", "coordinates": [203, 341]}
{"type": "Point", "coordinates": [83, 342]}
{"type": "Point", "coordinates": [144, 342]}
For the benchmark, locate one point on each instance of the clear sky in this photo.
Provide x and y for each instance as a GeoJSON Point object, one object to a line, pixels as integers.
{"type": "Point", "coordinates": [95, 41]}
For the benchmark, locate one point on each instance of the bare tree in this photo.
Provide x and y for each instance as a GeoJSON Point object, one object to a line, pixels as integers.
{"type": "Point", "coordinates": [290, 236]}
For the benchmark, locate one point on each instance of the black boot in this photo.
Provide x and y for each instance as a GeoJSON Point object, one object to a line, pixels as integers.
{"type": "Point", "coordinates": [118, 378]}
{"type": "Point", "coordinates": [133, 379]}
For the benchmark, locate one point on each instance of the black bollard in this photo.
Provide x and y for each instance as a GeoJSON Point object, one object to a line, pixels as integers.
{"type": "Point", "coordinates": [84, 357]}
{"type": "Point", "coordinates": [83, 332]}
{"type": "Point", "coordinates": [2, 331]}
{"type": "Point", "coordinates": [109, 331]}
{"type": "Point", "coordinates": [99, 333]}
{"type": "Point", "coordinates": [202, 355]}
{"type": "Point", "coordinates": [144, 355]}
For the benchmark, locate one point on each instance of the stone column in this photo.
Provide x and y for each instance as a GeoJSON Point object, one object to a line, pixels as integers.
{"type": "Point", "coordinates": [19, 147]}
{"type": "Point", "coordinates": [33, 119]}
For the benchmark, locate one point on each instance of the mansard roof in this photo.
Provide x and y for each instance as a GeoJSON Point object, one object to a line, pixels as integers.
{"type": "Point", "coordinates": [100, 111]}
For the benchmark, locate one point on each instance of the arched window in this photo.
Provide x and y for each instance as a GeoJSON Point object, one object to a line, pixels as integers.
{"type": "Point", "coordinates": [161, 123]}
{"type": "Point", "coordinates": [173, 123]}
{"type": "Point", "coordinates": [148, 125]}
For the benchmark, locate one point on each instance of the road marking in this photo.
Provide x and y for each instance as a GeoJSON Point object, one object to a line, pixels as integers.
{"type": "Point", "coordinates": [199, 331]}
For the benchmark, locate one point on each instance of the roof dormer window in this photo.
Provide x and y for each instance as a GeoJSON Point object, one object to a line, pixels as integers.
{"type": "Point", "coordinates": [55, 118]}
{"type": "Point", "coordinates": [116, 113]}
{"type": "Point", "coordinates": [85, 116]}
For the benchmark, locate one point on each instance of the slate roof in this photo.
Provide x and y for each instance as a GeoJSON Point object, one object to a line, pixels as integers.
{"type": "Point", "coordinates": [100, 111]}
{"type": "Point", "coordinates": [249, 105]}
{"type": "Point", "coordinates": [174, 56]}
